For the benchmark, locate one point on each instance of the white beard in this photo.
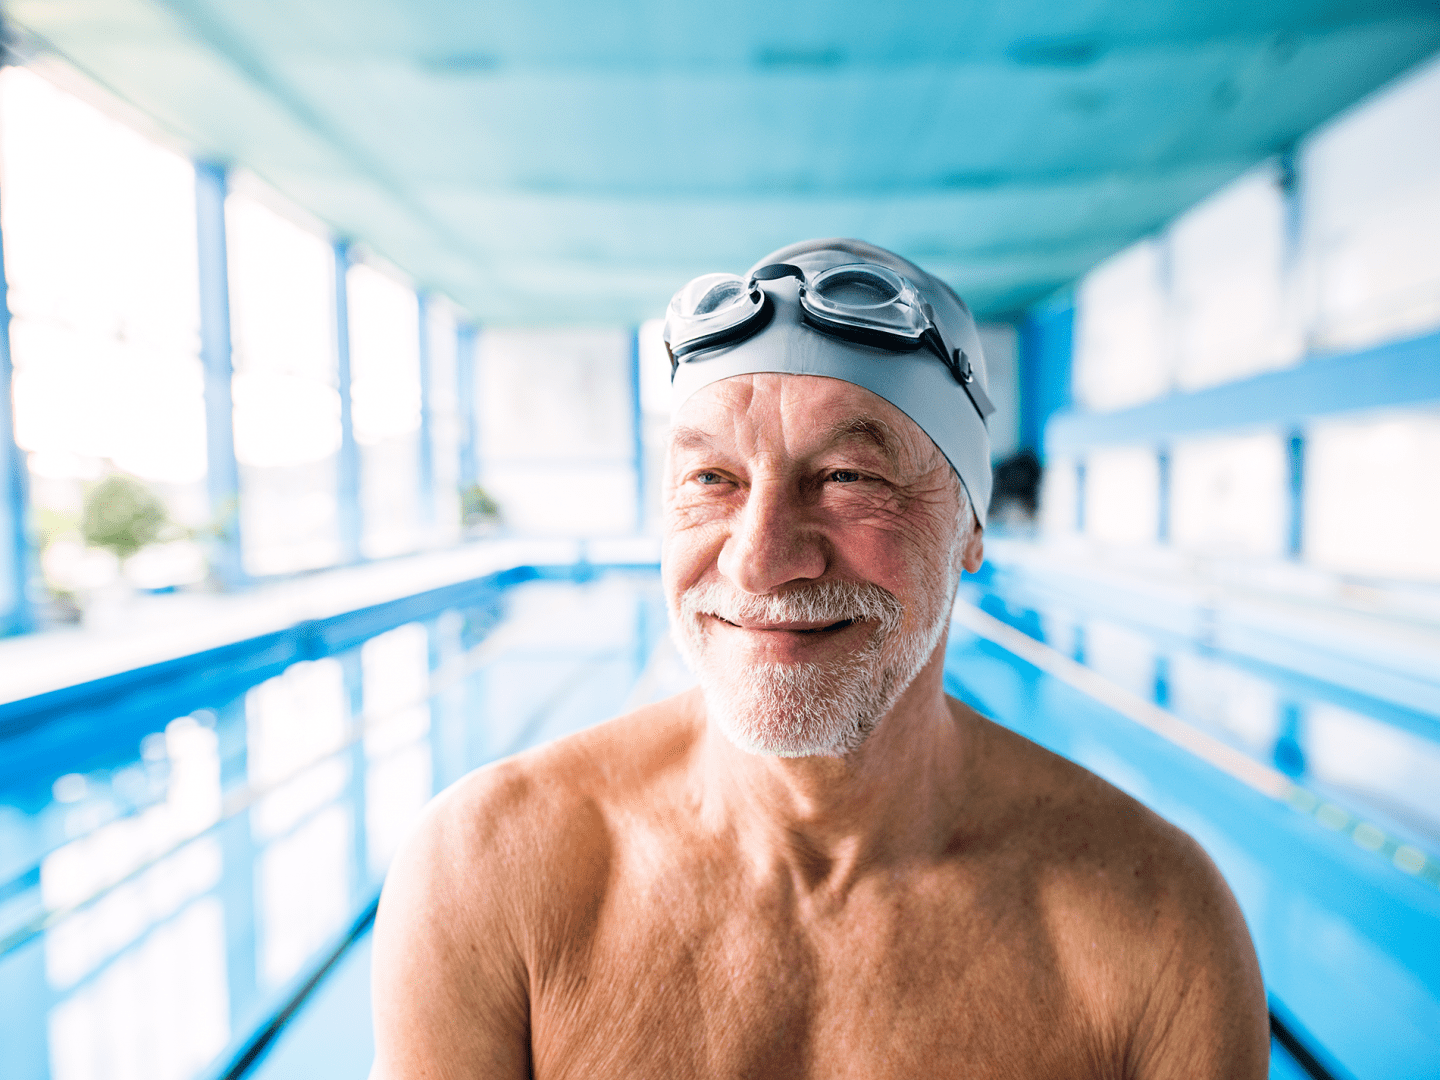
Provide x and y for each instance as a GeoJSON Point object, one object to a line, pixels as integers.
{"type": "Point", "coordinates": [811, 709]}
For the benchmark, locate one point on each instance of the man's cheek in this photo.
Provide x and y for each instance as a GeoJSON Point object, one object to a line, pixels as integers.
{"type": "Point", "coordinates": [887, 550]}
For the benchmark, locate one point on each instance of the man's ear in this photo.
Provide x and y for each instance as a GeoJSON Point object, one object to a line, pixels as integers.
{"type": "Point", "coordinates": [974, 547]}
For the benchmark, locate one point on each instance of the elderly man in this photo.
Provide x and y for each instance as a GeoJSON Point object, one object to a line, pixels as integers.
{"type": "Point", "coordinates": [816, 864]}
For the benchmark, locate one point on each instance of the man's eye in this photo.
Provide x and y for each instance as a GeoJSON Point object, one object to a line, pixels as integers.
{"type": "Point", "coordinates": [709, 477]}
{"type": "Point", "coordinates": [845, 476]}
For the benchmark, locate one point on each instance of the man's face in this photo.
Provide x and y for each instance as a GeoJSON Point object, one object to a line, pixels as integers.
{"type": "Point", "coordinates": [812, 546]}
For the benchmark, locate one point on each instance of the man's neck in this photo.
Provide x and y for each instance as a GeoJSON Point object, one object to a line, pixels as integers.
{"type": "Point", "coordinates": [827, 818]}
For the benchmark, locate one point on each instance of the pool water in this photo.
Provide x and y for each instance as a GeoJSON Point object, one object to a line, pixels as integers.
{"type": "Point", "coordinates": [178, 860]}
{"type": "Point", "coordinates": [164, 889]}
{"type": "Point", "coordinates": [1370, 747]}
{"type": "Point", "coordinates": [1345, 917]}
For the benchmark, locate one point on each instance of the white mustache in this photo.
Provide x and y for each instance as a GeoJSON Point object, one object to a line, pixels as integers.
{"type": "Point", "coordinates": [818, 602]}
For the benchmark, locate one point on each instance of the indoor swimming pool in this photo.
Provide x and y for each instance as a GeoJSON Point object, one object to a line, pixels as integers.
{"type": "Point", "coordinates": [189, 854]}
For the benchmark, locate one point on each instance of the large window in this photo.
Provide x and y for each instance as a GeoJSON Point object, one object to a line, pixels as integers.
{"type": "Point", "coordinates": [1228, 496]}
{"type": "Point", "coordinates": [1122, 495]}
{"type": "Point", "coordinates": [441, 520]}
{"type": "Point", "coordinates": [1371, 197]}
{"type": "Point", "coordinates": [1330, 250]}
{"type": "Point", "coordinates": [101, 256]}
{"type": "Point", "coordinates": [385, 391]}
{"type": "Point", "coordinates": [99, 228]}
{"type": "Point", "coordinates": [287, 410]}
{"type": "Point", "coordinates": [1230, 296]}
{"type": "Point", "coordinates": [1372, 508]}
{"type": "Point", "coordinates": [1122, 352]}
{"type": "Point", "coordinates": [558, 445]}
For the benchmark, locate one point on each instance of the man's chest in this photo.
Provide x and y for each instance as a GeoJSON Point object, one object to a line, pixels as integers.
{"type": "Point", "coordinates": [895, 987]}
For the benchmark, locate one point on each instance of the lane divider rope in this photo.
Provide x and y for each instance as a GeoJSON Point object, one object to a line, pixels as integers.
{"type": "Point", "coordinates": [1268, 781]}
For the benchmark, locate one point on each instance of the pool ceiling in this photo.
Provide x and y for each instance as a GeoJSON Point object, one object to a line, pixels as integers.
{"type": "Point", "coordinates": [571, 162]}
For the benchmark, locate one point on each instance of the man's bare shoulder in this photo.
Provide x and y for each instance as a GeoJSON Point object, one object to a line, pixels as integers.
{"type": "Point", "coordinates": [505, 867]}
{"type": "Point", "coordinates": [574, 784]}
{"type": "Point", "coordinates": [1132, 903]}
{"type": "Point", "coordinates": [514, 837]}
{"type": "Point", "coordinates": [1088, 845]}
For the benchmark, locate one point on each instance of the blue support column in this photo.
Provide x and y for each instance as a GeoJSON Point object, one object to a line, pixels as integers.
{"type": "Point", "coordinates": [17, 555]}
{"type": "Point", "coordinates": [466, 404]}
{"type": "Point", "coordinates": [347, 467]}
{"type": "Point", "coordinates": [637, 427]}
{"type": "Point", "coordinates": [1295, 522]}
{"type": "Point", "coordinates": [1288, 180]}
{"type": "Point", "coordinates": [425, 456]}
{"type": "Point", "coordinates": [222, 473]}
{"type": "Point", "coordinates": [1162, 525]}
{"type": "Point", "coordinates": [1044, 346]}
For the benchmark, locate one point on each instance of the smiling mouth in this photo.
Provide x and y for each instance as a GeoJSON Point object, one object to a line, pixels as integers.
{"type": "Point", "coordinates": [841, 625]}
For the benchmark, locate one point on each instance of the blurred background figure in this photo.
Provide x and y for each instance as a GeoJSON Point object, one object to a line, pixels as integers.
{"type": "Point", "coordinates": [309, 308]}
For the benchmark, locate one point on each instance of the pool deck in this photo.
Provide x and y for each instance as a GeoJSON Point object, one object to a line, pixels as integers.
{"type": "Point", "coordinates": [149, 629]}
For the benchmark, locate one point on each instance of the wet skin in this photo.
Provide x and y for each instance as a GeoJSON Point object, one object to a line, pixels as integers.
{"type": "Point", "coordinates": [645, 900]}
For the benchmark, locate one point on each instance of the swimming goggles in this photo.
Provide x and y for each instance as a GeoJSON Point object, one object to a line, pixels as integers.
{"type": "Point", "coordinates": [859, 302]}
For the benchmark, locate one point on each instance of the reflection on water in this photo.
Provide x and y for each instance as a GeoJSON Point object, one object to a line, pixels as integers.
{"type": "Point", "coordinates": [395, 676]}
{"type": "Point", "coordinates": [1371, 764]}
{"type": "Point", "coordinates": [1383, 766]}
{"type": "Point", "coordinates": [158, 1010]}
{"type": "Point", "coordinates": [155, 909]}
{"type": "Point", "coordinates": [136, 865]}
{"type": "Point", "coordinates": [1223, 697]}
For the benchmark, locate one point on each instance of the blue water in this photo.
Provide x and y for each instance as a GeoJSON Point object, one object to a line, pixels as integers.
{"type": "Point", "coordinates": [168, 879]}
{"type": "Point", "coordinates": [174, 863]}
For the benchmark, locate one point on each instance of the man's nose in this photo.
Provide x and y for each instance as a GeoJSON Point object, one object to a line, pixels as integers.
{"type": "Point", "coordinates": [772, 541]}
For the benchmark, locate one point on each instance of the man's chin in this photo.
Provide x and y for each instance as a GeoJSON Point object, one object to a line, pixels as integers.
{"type": "Point", "coordinates": [795, 710]}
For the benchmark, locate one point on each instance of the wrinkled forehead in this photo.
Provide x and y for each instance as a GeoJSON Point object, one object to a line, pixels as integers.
{"type": "Point", "coordinates": [783, 412]}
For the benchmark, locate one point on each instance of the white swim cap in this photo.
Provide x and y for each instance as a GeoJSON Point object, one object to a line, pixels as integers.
{"type": "Point", "coordinates": [915, 381]}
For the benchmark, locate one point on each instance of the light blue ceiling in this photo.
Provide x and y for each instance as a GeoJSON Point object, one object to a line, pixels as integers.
{"type": "Point", "coordinates": [561, 161]}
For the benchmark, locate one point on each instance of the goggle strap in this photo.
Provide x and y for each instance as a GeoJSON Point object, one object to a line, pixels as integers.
{"type": "Point", "coordinates": [965, 375]}
{"type": "Point", "coordinates": [960, 367]}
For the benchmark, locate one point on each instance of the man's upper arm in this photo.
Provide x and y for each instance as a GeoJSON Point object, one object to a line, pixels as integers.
{"type": "Point", "coordinates": [1205, 1016]}
{"type": "Point", "coordinates": [449, 982]}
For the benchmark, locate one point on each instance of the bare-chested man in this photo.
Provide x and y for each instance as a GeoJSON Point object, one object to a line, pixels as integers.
{"type": "Point", "coordinates": [816, 864]}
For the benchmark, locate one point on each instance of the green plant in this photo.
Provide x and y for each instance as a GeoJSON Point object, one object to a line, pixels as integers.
{"type": "Point", "coordinates": [122, 514]}
{"type": "Point", "coordinates": [477, 507]}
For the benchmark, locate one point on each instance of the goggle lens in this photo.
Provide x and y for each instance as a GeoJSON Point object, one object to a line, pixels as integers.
{"type": "Point", "coordinates": [869, 297]}
{"type": "Point", "coordinates": [856, 287]}
{"type": "Point", "coordinates": [708, 298]}
{"type": "Point", "coordinates": [726, 292]}
{"type": "Point", "coordinates": [711, 310]}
